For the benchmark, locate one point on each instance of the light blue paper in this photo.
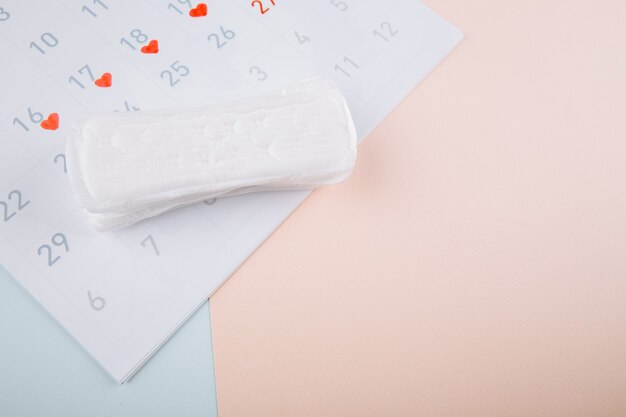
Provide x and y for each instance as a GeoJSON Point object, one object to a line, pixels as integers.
{"type": "Point", "coordinates": [44, 372]}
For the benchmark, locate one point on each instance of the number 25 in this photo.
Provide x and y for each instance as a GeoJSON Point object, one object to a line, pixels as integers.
{"type": "Point", "coordinates": [177, 68]}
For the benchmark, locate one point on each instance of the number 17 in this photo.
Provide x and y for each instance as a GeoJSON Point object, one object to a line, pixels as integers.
{"type": "Point", "coordinates": [81, 72]}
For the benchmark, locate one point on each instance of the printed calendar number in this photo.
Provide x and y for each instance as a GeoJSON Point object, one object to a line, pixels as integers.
{"type": "Point", "coordinates": [34, 116]}
{"type": "Point", "coordinates": [387, 31]}
{"type": "Point", "coordinates": [175, 74]}
{"type": "Point", "coordinates": [4, 15]}
{"type": "Point", "coordinates": [150, 240]}
{"type": "Point", "coordinates": [98, 7]}
{"type": "Point", "coordinates": [47, 40]}
{"type": "Point", "coordinates": [260, 74]}
{"type": "Point", "coordinates": [137, 36]}
{"type": "Point", "coordinates": [58, 240]}
{"type": "Point", "coordinates": [129, 107]}
{"type": "Point", "coordinates": [340, 5]}
{"type": "Point", "coordinates": [9, 213]}
{"type": "Point", "coordinates": [345, 69]}
{"type": "Point", "coordinates": [173, 7]}
{"type": "Point", "coordinates": [262, 9]}
{"type": "Point", "coordinates": [96, 303]}
{"type": "Point", "coordinates": [84, 70]}
{"type": "Point", "coordinates": [227, 34]}
{"type": "Point", "coordinates": [302, 39]}
{"type": "Point", "coordinates": [61, 157]}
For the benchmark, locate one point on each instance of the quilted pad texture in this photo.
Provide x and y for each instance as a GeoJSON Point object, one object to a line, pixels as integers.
{"type": "Point", "coordinates": [126, 167]}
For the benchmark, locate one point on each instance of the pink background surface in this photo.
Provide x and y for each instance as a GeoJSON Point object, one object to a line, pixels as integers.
{"type": "Point", "coordinates": [475, 263]}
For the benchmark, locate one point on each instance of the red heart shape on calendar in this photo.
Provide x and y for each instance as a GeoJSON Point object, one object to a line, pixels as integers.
{"type": "Point", "coordinates": [52, 122]}
{"type": "Point", "coordinates": [199, 11]}
{"type": "Point", "coordinates": [151, 48]}
{"type": "Point", "coordinates": [105, 81]}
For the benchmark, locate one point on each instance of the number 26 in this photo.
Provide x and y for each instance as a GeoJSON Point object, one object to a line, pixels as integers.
{"type": "Point", "coordinates": [228, 35]}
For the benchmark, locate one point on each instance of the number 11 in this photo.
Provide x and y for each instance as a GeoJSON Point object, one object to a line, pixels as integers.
{"type": "Point", "coordinates": [347, 61]}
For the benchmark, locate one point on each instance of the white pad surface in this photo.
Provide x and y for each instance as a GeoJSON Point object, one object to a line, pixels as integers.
{"type": "Point", "coordinates": [126, 167]}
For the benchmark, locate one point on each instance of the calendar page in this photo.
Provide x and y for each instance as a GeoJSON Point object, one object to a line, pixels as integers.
{"type": "Point", "coordinates": [122, 294]}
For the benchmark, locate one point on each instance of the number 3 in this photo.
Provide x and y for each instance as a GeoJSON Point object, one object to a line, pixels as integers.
{"type": "Point", "coordinates": [4, 15]}
{"type": "Point", "coordinates": [262, 75]}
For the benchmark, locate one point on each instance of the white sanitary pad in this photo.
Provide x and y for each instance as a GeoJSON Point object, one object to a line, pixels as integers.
{"type": "Point", "coordinates": [126, 167]}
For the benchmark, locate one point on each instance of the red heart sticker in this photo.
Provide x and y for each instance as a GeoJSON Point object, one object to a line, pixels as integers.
{"type": "Point", "coordinates": [105, 81]}
{"type": "Point", "coordinates": [151, 48]}
{"type": "Point", "coordinates": [199, 11]}
{"type": "Point", "coordinates": [52, 122]}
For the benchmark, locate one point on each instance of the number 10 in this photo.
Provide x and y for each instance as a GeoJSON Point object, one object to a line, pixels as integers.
{"type": "Point", "coordinates": [48, 39]}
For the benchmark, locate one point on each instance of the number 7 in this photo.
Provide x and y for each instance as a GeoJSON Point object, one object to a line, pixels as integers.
{"type": "Point", "coordinates": [150, 239]}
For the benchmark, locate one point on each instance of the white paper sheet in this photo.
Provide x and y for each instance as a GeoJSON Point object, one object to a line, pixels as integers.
{"type": "Point", "coordinates": [122, 294]}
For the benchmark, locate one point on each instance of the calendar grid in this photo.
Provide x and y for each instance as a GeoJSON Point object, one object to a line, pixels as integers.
{"type": "Point", "coordinates": [121, 294]}
{"type": "Point", "coordinates": [40, 67]}
{"type": "Point", "coordinates": [108, 41]}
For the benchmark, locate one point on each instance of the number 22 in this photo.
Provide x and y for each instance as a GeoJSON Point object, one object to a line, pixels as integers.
{"type": "Point", "coordinates": [20, 205]}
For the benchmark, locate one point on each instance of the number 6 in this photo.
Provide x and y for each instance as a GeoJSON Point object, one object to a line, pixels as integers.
{"type": "Point", "coordinates": [97, 303]}
{"type": "Point", "coordinates": [4, 15]}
